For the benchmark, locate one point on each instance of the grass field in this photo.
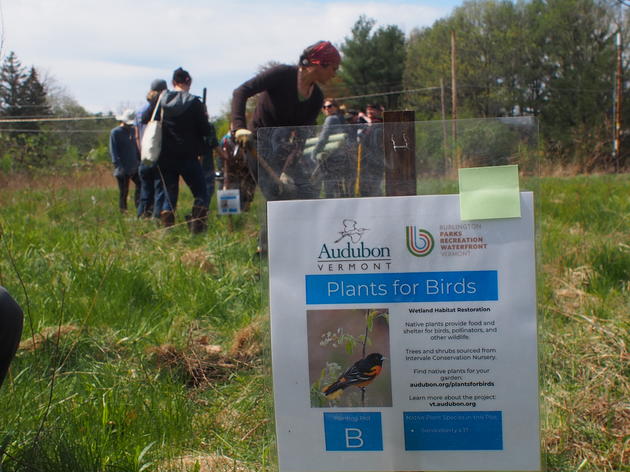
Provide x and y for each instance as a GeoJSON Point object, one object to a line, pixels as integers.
{"type": "Point", "coordinates": [145, 349]}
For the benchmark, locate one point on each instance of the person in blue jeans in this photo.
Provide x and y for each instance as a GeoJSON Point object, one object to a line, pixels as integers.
{"type": "Point", "coordinates": [185, 125]}
{"type": "Point", "coordinates": [125, 158]}
{"type": "Point", "coordinates": [151, 189]}
{"type": "Point", "coordinates": [11, 322]}
{"type": "Point", "coordinates": [207, 160]}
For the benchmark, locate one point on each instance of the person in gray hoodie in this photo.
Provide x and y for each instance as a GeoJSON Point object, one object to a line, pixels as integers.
{"type": "Point", "coordinates": [185, 124]}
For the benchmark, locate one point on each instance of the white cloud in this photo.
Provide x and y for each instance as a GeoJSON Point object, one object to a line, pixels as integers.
{"type": "Point", "coordinates": [107, 53]}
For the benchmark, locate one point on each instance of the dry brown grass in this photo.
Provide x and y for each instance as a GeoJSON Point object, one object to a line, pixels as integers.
{"type": "Point", "coordinates": [247, 342]}
{"type": "Point", "coordinates": [51, 334]}
{"type": "Point", "coordinates": [201, 362]}
{"type": "Point", "coordinates": [587, 382]}
{"type": "Point", "coordinates": [582, 413]}
{"type": "Point", "coordinates": [204, 463]}
{"type": "Point", "coordinates": [571, 288]}
{"type": "Point", "coordinates": [98, 176]}
{"type": "Point", "coordinates": [199, 259]}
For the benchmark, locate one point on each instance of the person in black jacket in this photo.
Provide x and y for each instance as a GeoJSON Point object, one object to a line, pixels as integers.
{"type": "Point", "coordinates": [11, 321]}
{"type": "Point", "coordinates": [185, 125]}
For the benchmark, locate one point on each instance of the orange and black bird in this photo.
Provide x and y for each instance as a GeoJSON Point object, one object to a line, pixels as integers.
{"type": "Point", "coordinates": [360, 374]}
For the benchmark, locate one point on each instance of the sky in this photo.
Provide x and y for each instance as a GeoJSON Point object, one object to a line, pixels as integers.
{"type": "Point", "coordinates": [106, 53]}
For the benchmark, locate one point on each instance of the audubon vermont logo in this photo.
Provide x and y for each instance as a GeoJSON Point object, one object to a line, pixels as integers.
{"type": "Point", "coordinates": [349, 253]}
{"type": "Point", "coordinates": [351, 231]}
{"type": "Point", "coordinates": [419, 241]}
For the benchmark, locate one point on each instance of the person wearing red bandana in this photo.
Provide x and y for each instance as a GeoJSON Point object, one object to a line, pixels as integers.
{"type": "Point", "coordinates": [289, 97]}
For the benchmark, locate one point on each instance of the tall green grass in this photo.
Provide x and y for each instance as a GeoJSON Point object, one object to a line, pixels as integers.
{"type": "Point", "coordinates": [95, 399]}
{"type": "Point", "coordinates": [585, 306]}
{"type": "Point", "coordinates": [99, 398]}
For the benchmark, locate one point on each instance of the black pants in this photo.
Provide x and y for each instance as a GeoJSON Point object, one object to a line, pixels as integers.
{"type": "Point", "coordinates": [11, 320]}
{"type": "Point", "coordinates": [123, 187]}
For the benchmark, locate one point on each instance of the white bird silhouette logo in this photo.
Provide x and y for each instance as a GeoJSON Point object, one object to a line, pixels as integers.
{"type": "Point", "coordinates": [351, 231]}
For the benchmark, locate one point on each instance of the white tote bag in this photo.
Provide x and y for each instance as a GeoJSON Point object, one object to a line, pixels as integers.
{"type": "Point", "coordinates": [151, 143]}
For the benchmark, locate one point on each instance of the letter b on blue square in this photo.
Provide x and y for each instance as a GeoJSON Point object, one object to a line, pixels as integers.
{"type": "Point", "coordinates": [353, 431]}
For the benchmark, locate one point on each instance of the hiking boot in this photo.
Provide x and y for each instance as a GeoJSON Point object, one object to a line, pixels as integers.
{"type": "Point", "coordinates": [145, 215]}
{"type": "Point", "coordinates": [167, 218]}
{"type": "Point", "coordinates": [198, 223]}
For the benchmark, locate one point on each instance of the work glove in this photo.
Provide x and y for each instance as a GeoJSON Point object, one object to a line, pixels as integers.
{"type": "Point", "coordinates": [243, 136]}
{"type": "Point", "coordinates": [287, 184]}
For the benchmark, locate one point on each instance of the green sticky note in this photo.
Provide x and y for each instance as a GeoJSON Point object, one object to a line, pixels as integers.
{"type": "Point", "coordinates": [489, 192]}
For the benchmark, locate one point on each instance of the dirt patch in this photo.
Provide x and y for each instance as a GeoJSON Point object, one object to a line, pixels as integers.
{"type": "Point", "coordinates": [199, 259]}
{"type": "Point", "coordinates": [248, 342]}
{"type": "Point", "coordinates": [197, 363]}
{"type": "Point", "coordinates": [201, 362]}
{"type": "Point", "coordinates": [51, 334]}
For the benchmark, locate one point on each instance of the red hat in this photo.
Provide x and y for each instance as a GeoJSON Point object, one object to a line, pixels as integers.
{"type": "Point", "coordinates": [322, 53]}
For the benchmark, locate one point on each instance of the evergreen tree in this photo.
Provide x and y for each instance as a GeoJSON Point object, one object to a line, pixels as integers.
{"type": "Point", "coordinates": [373, 61]}
{"type": "Point", "coordinates": [12, 77]}
{"type": "Point", "coordinates": [33, 96]}
{"type": "Point", "coordinates": [358, 60]}
{"type": "Point", "coordinates": [22, 94]}
{"type": "Point", "coordinates": [38, 143]}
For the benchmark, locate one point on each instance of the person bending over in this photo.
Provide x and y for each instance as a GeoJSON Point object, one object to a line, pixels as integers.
{"type": "Point", "coordinates": [289, 97]}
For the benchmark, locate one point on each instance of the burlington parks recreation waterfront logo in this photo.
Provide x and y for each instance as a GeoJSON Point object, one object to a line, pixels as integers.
{"type": "Point", "coordinates": [419, 241]}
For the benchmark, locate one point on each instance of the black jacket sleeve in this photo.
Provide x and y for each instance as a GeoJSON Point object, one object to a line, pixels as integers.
{"type": "Point", "coordinates": [11, 320]}
{"type": "Point", "coordinates": [204, 128]}
{"type": "Point", "coordinates": [263, 81]}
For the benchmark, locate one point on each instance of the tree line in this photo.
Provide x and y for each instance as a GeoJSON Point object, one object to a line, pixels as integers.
{"type": "Point", "coordinates": [32, 142]}
{"type": "Point", "coordinates": [553, 59]}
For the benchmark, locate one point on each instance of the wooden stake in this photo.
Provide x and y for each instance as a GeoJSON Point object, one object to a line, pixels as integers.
{"type": "Point", "coordinates": [399, 136]}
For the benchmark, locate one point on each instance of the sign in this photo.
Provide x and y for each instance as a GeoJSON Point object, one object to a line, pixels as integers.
{"type": "Point", "coordinates": [229, 201]}
{"type": "Point", "coordinates": [403, 338]}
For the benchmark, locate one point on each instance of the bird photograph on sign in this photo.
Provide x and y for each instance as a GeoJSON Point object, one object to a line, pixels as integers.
{"type": "Point", "coordinates": [348, 353]}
